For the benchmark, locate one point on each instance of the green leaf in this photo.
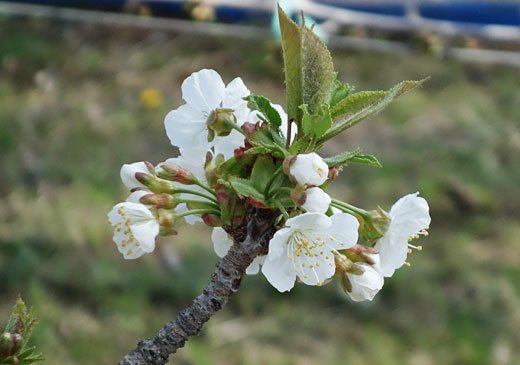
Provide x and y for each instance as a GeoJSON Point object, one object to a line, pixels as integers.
{"type": "Point", "coordinates": [262, 172]}
{"type": "Point", "coordinates": [245, 188]}
{"type": "Point", "coordinates": [263, 105]}
{"type": "Point", "coordinates": [356, 102]}
{"type": "Point", "coordinates": [352, 157]}
{"type": "Point", "coordinates": [291, 46]}
{"type": "Point", "coordinates": [309, 71]}
{"type": "Point", "coordinates": [316, 125]}
{"type": "Point", "coordinates": [365, 160]}
{"type": "Point", "coordinates": [339, 92]}
{"type": "Point", "coordinates": [283, 197]}
{"type": "Point", "coordinates": [366, 104]}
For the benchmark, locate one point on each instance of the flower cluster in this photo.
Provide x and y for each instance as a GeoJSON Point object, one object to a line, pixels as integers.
{"type": "Point", "coordinates": [238, 152]}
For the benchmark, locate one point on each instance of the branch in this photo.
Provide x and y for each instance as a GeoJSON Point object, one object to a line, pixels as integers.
{"type": "Point", "coordinates": [249, 242]}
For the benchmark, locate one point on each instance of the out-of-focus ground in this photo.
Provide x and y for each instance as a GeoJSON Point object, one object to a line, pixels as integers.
{"type": "Point", "coordinates": [72, 111]}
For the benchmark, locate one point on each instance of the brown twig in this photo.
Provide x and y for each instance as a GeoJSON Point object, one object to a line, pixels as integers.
{"type": "Point", "coordinates": [249, 241]}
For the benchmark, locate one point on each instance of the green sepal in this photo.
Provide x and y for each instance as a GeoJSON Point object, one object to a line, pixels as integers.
{"type": "Point", "coordinates": [352, 157]}
{"type": "Point", "coordinates": [264, 106]}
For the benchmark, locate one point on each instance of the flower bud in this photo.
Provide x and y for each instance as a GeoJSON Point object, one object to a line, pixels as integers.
{"type": "Point", "coordinates": [129, 171]}
{"type": "Point", "coordinates": [154, 184]}
{"type": "Point", "coordinates": [161, 201]}
{"type": "Point", "coordinates": [249, 129]}
{"type": "Point", "coordinates": [220, 122]}
{"type": "Point", "coordinates": [365, 286]}
{"type": "Point", "coordinates": [10, 343]}
{"type": "Point", "coordinates": [333, 173]}
{"type": "Point", "coordinates": [308, 169]}
{"type": "Point", "coordinates": [211, 167]}
{"type": "Point", "coordinates": [176, 173]}
{"type": "Point", "coordinates": [211, 220]}
{"type": "Point", "coordinates": [316, 201]}
{"type": "Point", "coordinates": [298, 195]}
{"type": "Point", "coordinates": [166, 222]}
{"type": "Point", "coordinates": [361, 254]}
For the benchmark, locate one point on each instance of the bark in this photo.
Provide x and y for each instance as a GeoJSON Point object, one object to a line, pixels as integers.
{"type": "Point", "coordinates": [249, 241]}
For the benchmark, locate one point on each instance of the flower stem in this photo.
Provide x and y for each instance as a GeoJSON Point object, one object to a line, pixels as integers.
{"type": "Point", "coordinates": [193, 192]}
{"type": "Point", "coordinates": [282, 209]}
{"type": "Point", "coordinates": [207, 188]}
{"type": "Point", "coordinates": [196, 212]}
{"type": "Point", "coordinates": [350, 208]}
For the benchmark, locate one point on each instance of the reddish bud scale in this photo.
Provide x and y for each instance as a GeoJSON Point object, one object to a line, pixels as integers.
{"type": "Point", "coordinates": [333, 173]}
{"type": "Point", "coordinates": [161, 201]}
{"type": "Point", "coordinates": [256, 203]}
{"type": "Point", "coordinates": [211, 220]}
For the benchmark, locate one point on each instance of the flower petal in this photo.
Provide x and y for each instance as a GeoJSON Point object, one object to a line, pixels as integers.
{"type": "Point", "coordinates": [235, 91]}
{"type": "Point", "coordinates": [279, 272]}
{"type": "Point", "coordinates": [315, 270]}
{"type": "Point", "coordinates": [204, 90]}
{"type": "Point", "coordinates": [393, 255]}
{"type": "Point", "coordinates": [344, 231]}
{"type": "Point", "coordinates": [128, 172]}
{"type": "Point", "coordinates": [278, 244]}
{"type": "Point", "coordinates": [254, 267]}
{"type": "Point", "coordinates": [309, 220]}
{"type": "Point", "coordinates": [186, 127]}
{"type": "Point", "coordinates": [410, 215]}
{"type": "Point", "coordinates": [221, 241]}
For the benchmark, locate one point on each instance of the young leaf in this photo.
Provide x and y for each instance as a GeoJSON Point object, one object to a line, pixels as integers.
{"type": "Point", "coordinates": [263, 105]}
{"type": "Point", "coordinates": [317, 124]}
{"type": "Point", "coordinates": [339, 92]}
{"type": "Point", "coordinates": [356, 102]}
{"type": "Point", "coordinates": [373, 105]}
{"type": "Point", "coordinates": [291, 46]}
{"type": "Point", "coordinates": [352, 157]}
{"type": "Point", "coordinates": [245, 188]}
{"type": "Point", "coordinates": [262, 172]}
{"type": "Point", "coordinates": [309, 71]}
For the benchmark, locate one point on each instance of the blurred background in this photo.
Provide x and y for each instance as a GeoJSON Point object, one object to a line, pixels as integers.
{"type": "Point", "coordinates": [84, 90]}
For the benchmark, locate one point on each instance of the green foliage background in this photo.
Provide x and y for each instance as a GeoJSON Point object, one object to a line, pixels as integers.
{"type": "Point", "coordinates": [70, 115]}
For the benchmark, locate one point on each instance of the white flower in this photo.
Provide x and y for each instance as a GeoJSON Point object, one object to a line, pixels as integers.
{"type": "Point", "coordinates": [316, 201]}
{"type": "Point", "coordinates": [309, 169]}
{"type": "Point", "coordinates": [137, 195]}
{"type": "Point", "coordinates": [367, 285]}
{"type": "Point", "coordinates": [135, 229]}
{"type": "Point", "coordinates": [409, 217]}
{"type": "Point", "coordinates": [222, 243]}
{"type": "Point", "coordinates": [306, 248]}
{"type": "Point", "coordinates": [204, 91]}
{"type": "Point", "coordinates": [254, 118]}
{"type": "Point", "coordinates": [128, 172]}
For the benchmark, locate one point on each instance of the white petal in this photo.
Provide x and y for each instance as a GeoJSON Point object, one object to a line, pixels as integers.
{"type": "Point", "coordinates": [234, 96]}
{"type": "Point", "coordinates": [315, 270]}
{"type": "Point", "coordinates": [393, 256]}
{"type": "Point", "coordinates": [221, 241]}
{"type": "Point", "coordinates": [367, 285]}
{"type": "Point", "coordinates": [254, 267]}
{"type": "Point", "coordinates": [316, 201]}
{"type": "Point", "coordinates": [193, 160]}
{"type": "Point", "coordinates": [344, 231]}
{"type": "Point", "coordinates": [278, 244]}
{"type": "Point", "coordinates": [310, 220]}
{"type": "Point", "coordinates": [186, 127]}
{"type": "Point", "coordinates": [145, 233]}
{"type": "Point", "coordinates": [136, 195]}
{"type": "Point", "coordinates": [128, 172]}
{"type": "Point", "coordinates": [309, 169]}
{"type": "Point", "coordinates": [204, 90]}
{"type": "Point", "coordinates": [410, 215]}
{"type": "Point", "coordinates": [227, 145]}
{"type": "Point", "coordinates": [279, 272]}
